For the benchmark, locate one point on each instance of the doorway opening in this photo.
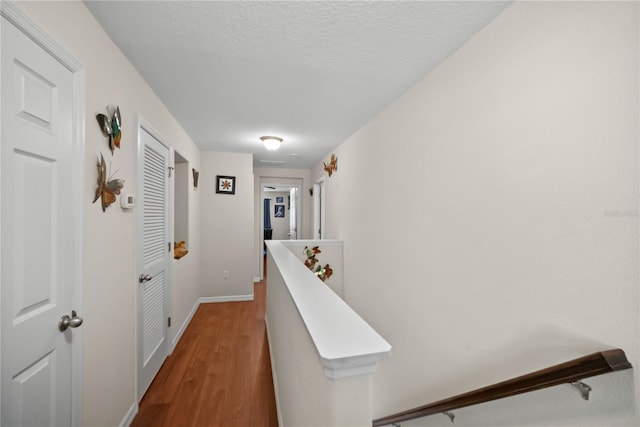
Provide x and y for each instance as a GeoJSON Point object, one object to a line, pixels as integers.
{"type": "Point", "coordinates": [280, 214]}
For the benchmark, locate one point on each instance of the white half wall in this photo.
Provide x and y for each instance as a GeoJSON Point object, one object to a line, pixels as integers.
{"type": "Point", "coordinates": [490, 217]}
{"type": "Point", "coordinates": [323, 354]}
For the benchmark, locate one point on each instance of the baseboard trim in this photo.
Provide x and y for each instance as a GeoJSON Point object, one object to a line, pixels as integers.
{"type": "Point", "coordinates": [130, 415]}
{"type": "Point", "coordinates": [186, 322]}
{"type": "Point", "coordinates": [273, 373]}
{"type": "Point", "coordinates": [228, 298]}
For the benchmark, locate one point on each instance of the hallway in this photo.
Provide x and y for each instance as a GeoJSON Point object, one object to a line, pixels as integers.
{"type": "Point", "coordinates": [219, 373]}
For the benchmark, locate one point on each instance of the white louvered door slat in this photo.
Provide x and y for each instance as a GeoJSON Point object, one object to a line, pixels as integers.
{"type": "Point", "coordinates": [153, 257]}
{"type": "Point", "coordinates": [154, 209]}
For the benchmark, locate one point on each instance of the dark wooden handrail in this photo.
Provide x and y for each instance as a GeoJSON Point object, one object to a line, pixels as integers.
{"type": "Point", "coordinates": [567, 372]}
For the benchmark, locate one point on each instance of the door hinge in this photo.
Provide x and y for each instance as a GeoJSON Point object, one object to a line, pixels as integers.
{"type": "Point", "coordinates": [170, 170]}
{"type": "Point", "coordinates": [169, 246]}
{"type": "Point", "coordinates": [168, 322]}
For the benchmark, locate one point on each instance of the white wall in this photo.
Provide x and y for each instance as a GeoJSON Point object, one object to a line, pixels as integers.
{"type": "Point", "coordinates": [108, 308]}
{"type": "Point", "coordinates": [183, 187]}
{"type": "Point", "coordinates": [227, 226]}
{"type": "Point", "coordinates": [510, 174]}
{"type": "Point", "coordinates": [186, 271]}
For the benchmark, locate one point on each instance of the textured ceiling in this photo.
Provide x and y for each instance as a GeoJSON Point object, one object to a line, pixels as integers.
{"type": "Point", "coordinates": [311, 72]}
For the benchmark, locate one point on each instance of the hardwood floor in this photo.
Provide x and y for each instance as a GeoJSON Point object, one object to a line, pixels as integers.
{"type": "Point", "coordinates": [219, 374]}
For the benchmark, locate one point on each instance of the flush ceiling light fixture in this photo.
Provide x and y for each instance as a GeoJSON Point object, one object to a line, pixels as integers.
{"type": "Point", "coordinates": [271, 142]}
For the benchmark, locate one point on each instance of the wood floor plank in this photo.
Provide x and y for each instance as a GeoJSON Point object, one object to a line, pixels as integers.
{"type": "Point", "coordinates": [219, 373]}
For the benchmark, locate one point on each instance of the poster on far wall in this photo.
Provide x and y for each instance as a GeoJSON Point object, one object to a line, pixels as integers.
{"type": "Point", "coordinates": [278, 211]}
{"type": "Point", "coordinates": [279, 200]}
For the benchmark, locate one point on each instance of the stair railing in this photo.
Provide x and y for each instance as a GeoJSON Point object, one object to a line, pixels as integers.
{"type": "Point", "coordinates": [571, 372]}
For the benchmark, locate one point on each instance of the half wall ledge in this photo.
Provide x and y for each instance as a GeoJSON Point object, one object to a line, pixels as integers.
{"type": "Point", "coordinates": [352, 366]}
{"type": "Point", "coordinates": [346, 345]}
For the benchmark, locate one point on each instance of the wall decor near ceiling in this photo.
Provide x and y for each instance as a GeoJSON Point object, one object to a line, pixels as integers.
{"type": "Point", "coordinates": [323, 273]}
{"type": "Point", "coordinates": [332, 166]}
{"type": "Point", "coordinates": [196, 175]}
{"type": "Point", "coordinates": [111, 127]}
{"type": "Point", "coordinates": [108, 188]}
{"type": "Point", "coordinates": [225, 184]}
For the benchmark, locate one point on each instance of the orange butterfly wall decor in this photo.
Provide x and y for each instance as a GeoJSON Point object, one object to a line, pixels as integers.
{"type": "Point", "coordinates": [332, 166]}
{"type": "Point", "coordinates": [107, 190]}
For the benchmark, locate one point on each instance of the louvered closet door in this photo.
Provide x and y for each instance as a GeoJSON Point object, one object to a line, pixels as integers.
{"type": "Point", "coordinates": [152, 257]}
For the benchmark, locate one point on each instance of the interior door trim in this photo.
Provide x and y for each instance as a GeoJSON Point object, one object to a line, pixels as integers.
{"type": "Point", "coordinates": [319, 200]}
{"type": "Point", "coordinates": [27, 26]}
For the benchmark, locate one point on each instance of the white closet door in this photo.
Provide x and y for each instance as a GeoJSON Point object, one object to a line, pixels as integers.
{"type": "Point", "coordinates": [154, 250]}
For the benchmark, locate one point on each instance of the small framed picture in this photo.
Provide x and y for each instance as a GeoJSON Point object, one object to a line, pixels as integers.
{"type": "Point", "coordinates": [278, 211]}
{"type": "Point", "coordinates": [225, 184]}
{"type": "Point", "coordinates": [279, 200]}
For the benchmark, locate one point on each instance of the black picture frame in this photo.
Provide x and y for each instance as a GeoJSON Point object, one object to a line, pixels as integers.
{"type": "Point", "coordinates": [278, 211]}
{"type": "Point", "coordinates": [279, 199]}
{"type": "Point", "coordinates": [225, 184]}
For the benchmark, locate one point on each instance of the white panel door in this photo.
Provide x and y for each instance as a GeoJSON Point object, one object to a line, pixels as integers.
{"type": "Point", "coordinates": [39, 254]}
{"type": "Point", "coordinates": [153, 256]}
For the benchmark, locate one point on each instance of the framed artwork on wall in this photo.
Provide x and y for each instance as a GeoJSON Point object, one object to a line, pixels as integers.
{"type": "Point", "coordinates": [279, 200]}
{"type": "Point", "coordinates": [225, 184]}
{"type": "Point", "coordinates": [278, 211]}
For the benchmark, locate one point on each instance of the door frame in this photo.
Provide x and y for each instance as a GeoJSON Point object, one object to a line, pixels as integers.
{"type": "Point", "coordinates": [27, 26]}
{"type": "Point", "coordinates": [279, 183]}
{"type": "Point", "coordinates": [140, 123]}
{"type": "Point", "coordinates": [319, 202]}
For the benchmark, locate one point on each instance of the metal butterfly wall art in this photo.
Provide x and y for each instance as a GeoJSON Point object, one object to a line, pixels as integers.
{"type": "Point", "coordinates": [107, 189]}
{"type": "Point", "coordinates": [332, 166]}
{"type": "Point", "coordinates": [311, 253]}
{"type": "Point", "coordinates": [196, 176]}
{"type": "Point", "coordinates": [111, 127]}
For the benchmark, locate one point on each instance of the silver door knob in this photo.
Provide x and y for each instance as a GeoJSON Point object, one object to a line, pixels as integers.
{"type": "Point", "coordinates": [144, 278]}
{"type": "Point", "coordinates": [69, 322]}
